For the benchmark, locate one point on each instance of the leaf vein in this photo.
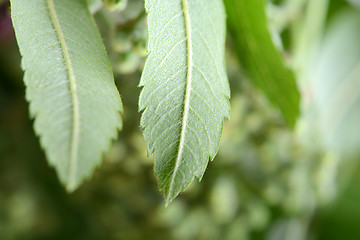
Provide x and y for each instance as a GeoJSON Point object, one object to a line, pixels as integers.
{"type": "Point", "coordinates": [187, 95]}
{"type": "Point", "coordinates": [76, 108]}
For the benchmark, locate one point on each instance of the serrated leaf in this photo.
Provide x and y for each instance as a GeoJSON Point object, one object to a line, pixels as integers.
{"type": "Point", "coordinates": [69, 84]}
{"type": "Point", "coordinates": [266, 67]}
{"type": "Point", "coordinates": [335, 86]}
{"type": "Point", "coordinates": [186, 92]}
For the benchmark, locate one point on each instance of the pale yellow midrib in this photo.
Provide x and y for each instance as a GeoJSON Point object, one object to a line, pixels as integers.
{"type": "Point", "coordinates": [71, 180]}
{"type": "Point", "coordinates": [187, 97]}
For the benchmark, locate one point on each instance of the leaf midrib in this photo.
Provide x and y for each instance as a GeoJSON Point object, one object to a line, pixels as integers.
{"type": "Point", "coordinates": [186, 99]}
{"type": "Point", "coordinates": [71, 183]}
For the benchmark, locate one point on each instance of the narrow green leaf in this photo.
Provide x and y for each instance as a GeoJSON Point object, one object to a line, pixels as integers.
{"type": "Point", "coordinates": [69, 84]}
{"type": "Point", "coordinates": [186, 93]}
{"type": "Point", "coordinates": [248, 25]}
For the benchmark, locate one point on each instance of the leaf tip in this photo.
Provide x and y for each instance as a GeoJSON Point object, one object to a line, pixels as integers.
{"type": "Point", "coordinates": [169, 197]}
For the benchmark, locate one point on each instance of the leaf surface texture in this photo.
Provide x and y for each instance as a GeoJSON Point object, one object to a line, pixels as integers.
{"type": "Point", "coordinates": [69, 84]}
{"type": "Point", "coordinates": [185, 94]}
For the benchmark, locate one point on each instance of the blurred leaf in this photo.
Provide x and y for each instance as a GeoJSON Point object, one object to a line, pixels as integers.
{"type": "Point", "coordinates": [69, 82]}
{"type": "Point", "coordinates": [342, 220]}
{"type": "Point", "coordinates": [248, 25]}
{"type": "Point", "coordinates": [185, 94]}
{"type": "Point", "coordinates": [356, 3]}
{"type": "Point", "coordinates": [336, 84]}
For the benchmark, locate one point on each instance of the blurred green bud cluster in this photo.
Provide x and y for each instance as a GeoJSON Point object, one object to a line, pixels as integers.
{"type": "Point", "coordinates": [123, 23]}
{"type": "Point", "coordinates": [115, 5]}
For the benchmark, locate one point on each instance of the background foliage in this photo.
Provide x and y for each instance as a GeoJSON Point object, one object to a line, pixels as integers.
{"type": "Point", "coordinates": [267, 182]}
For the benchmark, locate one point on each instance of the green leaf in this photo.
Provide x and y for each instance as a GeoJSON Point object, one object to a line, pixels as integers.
{"type": "Point", "coordinates": [69, 84]}
{"type": "Point", "coordinates": [335, 88]}
{"type": "Point", "coordinates": [248, 25]}
{"type": "Point", "coordinates": [186, 93]}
